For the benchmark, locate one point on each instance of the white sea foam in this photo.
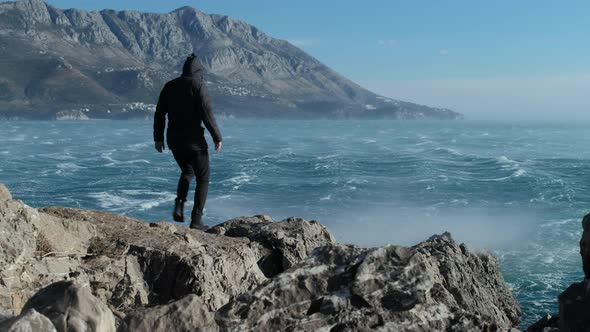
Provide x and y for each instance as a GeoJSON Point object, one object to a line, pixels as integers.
{"type": "Point", "coordinates": [67, 168]}
{"type": "Point", "coordinates": [330, 156]}
{"type": "Point", "coordinates": [369, 141]}
{"type": "Point", "coordinates": [17, 138]}
{"type": "Point", "coordinates": [121, 203]}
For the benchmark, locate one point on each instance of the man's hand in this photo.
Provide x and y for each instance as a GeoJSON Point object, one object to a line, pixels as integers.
{"type": "Point", "coordinates": [159, 146]}
{"type": "Point", "coordinates": [218, 146]}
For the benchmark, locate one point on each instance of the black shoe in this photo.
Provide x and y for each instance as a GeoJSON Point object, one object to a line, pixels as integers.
{"type": "Point", "coordinates": [178, 214]}
{"type": "Point", "coordinates": [196, 222]}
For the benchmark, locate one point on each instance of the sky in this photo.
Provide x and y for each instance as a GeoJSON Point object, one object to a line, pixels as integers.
{"type": "Point", "coordinates": [481, 58]}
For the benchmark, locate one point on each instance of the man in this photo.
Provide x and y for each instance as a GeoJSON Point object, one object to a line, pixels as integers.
{"type": "Point", "coordinates": [186, 102]}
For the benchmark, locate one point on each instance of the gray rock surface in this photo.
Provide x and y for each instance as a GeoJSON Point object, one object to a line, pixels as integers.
{"type": "Point", "coordinates": [547, 323]}
{"type": "Point", "coordinates": [29, 321]}
{"type": "Point", "coordinates": [585, 246]}
{"type": "Point", "coordinates": [110, 60]}
{"type": "Point", "coordinates": [434, 286]}
{"type": "Point", "coordinates": [249, 273]}
{"type": "Point", "coordinates": [131, 264]}
{"type": "Point", "coordinates": [185, 315]}
{"type": "Point", "coordinates": [72, 307]}
{"type": "Point", "coordinates": [289, 242]}
{"type": "Point", "coordinates": [574, 308]}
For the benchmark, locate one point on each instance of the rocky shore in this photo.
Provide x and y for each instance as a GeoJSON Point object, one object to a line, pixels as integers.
{"type": "Point", "coordinates": [64, 269]}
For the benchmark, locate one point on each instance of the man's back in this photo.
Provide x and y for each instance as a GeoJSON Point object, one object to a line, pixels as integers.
{"type": "Point", "coordinates": [184, 115]}
{"type": "Point", "coordinates": [186, 102]}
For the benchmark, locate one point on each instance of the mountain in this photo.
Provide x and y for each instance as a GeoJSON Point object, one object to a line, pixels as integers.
{"type": "Point", "coordinates": [75, 64]}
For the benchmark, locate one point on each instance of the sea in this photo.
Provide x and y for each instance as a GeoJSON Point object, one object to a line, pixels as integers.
{"type": "Point", "coordinates": [517, 190]}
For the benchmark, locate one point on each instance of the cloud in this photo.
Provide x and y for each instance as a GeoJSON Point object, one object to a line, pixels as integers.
{"type": "Point", "coordinates": [387, 42]}
{"type": "Point", "coordinates": [304, 42]}
{"type": "Point", "coordinates": [443, 52]}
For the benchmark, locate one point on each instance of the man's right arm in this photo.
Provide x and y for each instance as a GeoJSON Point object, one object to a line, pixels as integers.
{"type": "Point", "coordinates": [160, 120]}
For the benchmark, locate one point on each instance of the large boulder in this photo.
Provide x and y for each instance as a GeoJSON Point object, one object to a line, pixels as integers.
{"type": "Point", "coordinates": [29, 321]}
{"type": "Point", "coordinates": [574, 308]}
{"type": "Point", "coordinates": [185, 315]}
{"type": "Point", "coordinates": [585, 246]}
{"type": "Point", "coordinates": [72, 308]}
{"type": "Point", "coordinates": [434, 286]}
{"type": "Point", "coordinates": [289, 241]}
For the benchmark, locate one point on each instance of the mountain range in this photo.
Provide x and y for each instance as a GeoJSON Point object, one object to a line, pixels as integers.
{"type": "Point", "coordinates": [76, 64]}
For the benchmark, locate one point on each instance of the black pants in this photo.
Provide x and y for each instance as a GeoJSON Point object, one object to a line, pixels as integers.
{"type": "Point", "coordinates": [193, 163]}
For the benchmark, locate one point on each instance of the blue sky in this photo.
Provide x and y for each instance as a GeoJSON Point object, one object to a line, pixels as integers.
{"type": "Point", "coordinates": [478, 57]}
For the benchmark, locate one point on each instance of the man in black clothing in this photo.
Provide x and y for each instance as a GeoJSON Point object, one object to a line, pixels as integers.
{"type": "Point", "coordinates": [186, 102]}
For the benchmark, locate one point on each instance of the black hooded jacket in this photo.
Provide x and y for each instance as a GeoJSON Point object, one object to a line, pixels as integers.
{"type": "Point", "coordinates": [186, 102]}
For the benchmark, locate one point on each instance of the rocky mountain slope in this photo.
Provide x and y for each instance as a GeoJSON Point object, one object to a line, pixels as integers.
{"type": "Point", "coordinates": [64, 269]}
{"type": "Point", "coordinates": [74, 64]}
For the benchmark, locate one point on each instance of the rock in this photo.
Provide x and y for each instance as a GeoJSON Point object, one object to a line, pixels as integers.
{"type": "Point", "coordinates": [290, 240]}
{"type": "Point", "coordinates": [30, 321]}
{"type": "Point", "coordinates": [249, 273]}
{"type": "Point", "coordinates": [164, 225]}
{"type": "Point", "coordinates": [128, 263]}
{"type": "Point", "coordinates": [72, 308]}
{"type": "Point", "coordinates": [185, 315]}
{"type": "Point", "coordinates": [548, 323]}
{"type": "Point", "coordinates": [574, 302]}
{"type": "Point", "coordinates": [433, 286]}
{"type": "Point", "coordinates": [585, 246]}
{"type": "Point", "coordinates": [4, 193]}
{"type": "Point", "coordinates": [574, 306]}
{"type": "Point", "coordinates": [4, 315]}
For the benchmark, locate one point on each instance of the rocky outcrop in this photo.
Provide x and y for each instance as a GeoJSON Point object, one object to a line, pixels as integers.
{"type": "Point", "coordinates": [185, 315]}
{"type": "Point", "coordinates": [75, 267]}
{"type": "Point", "coordinates": [72, 308]}
{"type": "Point", "coordinates": [54, 59]}
{"type": "Point", "coordinates": [289, 242]}
{"type": "Point", "coordinates": [434, 286]}
{"type": "Point", "coordinates": [129, 263]}
{"type": "Point", "coordinates": [29, 321]}
{"type": "Point", "coordinates": [574, 302]}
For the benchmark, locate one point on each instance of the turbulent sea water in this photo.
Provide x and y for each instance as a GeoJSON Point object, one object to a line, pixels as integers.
{"type": "Point", "coordinates": [519, 190]}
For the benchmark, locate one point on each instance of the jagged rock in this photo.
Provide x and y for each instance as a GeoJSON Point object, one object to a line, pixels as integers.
{"type": "Point", "coordinates": [585, 246]}
{"type": "Point", "coordinates": [72, 308]}
{"type": "Point", "coordinates": [289, 241]}
{"type": "Point", "coordinates": [433, 286]}
{"type": "Point", "coordinates": [574, 302]}
{"type": "Point", "coordinates": [4, 315]}
{"type": "Point", "coordinates": [30, 321]}
{"type": "Point", "coordinates": [574, 308]}
{"type": "Point", "coordinates": [129, 263]}
{"type": "Point", "coordinates": [548, 323]}
{"type": "Point", "coordinates": [4, 193]}
{"type": "Point", "coordinates": [249, 273]}
{"type": "Point", "coordinates": [185, 315]}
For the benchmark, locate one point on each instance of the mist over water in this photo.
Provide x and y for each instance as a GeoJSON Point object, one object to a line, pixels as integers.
{"type": "Point", "coordinates": [519, 190]}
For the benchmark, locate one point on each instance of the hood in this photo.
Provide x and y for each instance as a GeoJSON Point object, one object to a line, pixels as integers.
{"type": "Point", "coordinates": [192, 68]}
